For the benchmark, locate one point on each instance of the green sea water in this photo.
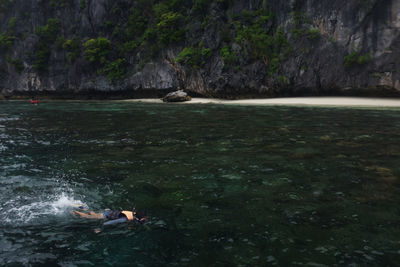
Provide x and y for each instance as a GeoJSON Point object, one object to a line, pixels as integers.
{"type": "Point", "coordinates": [222, 185]}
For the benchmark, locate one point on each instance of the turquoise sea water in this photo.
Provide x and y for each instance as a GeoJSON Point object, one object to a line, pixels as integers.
{"type": "Point", "coordinates": [222, 185]}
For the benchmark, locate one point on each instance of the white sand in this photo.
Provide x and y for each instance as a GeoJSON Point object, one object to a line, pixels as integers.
{"type": "Point", "coordinates": [294, 101]}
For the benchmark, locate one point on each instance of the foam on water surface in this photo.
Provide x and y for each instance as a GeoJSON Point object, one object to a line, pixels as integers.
{"type": "Point", "coordinates": [65, 202]}
{"type": "Point", "coordinates": [15, 211]}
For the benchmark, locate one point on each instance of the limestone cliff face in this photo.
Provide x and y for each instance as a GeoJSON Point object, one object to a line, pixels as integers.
{"type": "Point", "coordinates": [325, 48]}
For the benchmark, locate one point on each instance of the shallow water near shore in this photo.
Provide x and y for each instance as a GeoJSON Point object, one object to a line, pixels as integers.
{"type": "Point", "coordinates": [222, 185]}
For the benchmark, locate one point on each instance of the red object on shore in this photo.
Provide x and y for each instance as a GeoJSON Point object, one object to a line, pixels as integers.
{"type": "Point", "coordinates": [32, 101]}
{"type": "Point", "coordinates": [36, 102]}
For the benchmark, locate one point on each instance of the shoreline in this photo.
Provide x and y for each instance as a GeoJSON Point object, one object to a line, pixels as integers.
{"type": "Point", "coordinates": [288, 101]}
{"type": "Point", "coordinates": [313, 101]}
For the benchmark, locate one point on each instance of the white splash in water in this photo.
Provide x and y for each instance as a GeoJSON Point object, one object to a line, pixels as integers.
{"type": "Point", "coordinates": [64, 203]}
{"type": "Point", "coordinates": [53, 206]}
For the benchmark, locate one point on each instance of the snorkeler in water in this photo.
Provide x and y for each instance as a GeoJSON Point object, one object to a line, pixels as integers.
{"type": "Point", "coordinates": [113, 216]}
{"type": "Point", "coordinates": [34, 101]}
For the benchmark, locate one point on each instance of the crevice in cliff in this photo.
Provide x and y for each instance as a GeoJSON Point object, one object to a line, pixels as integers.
{"type": "Point", "coordinates": [363, 27]}
{"type": "Point", "coordinates": [89, 16]}
{"type": "Point", "coordinates": [179, 71]}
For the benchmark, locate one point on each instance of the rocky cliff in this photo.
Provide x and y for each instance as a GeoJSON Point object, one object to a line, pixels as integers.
{"type": "Point", "coordinates": [220, 48]}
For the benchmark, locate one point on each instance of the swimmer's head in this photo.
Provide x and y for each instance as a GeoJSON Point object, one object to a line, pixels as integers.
{"type": "Point", "coordinates": [140, 215]}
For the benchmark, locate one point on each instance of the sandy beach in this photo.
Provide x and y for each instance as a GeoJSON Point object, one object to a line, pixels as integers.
{"type": "Point", "coordinates": [294, 101]}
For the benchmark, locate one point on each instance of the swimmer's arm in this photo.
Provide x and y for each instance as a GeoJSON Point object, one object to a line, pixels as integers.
{"type": "Point", "coordinates": [90, 215]}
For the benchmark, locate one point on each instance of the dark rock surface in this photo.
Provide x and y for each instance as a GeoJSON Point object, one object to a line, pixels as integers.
{"type": "Point", "coordinates": [315, 66]}
{"type": "Point", "coordinates": [178, 96]}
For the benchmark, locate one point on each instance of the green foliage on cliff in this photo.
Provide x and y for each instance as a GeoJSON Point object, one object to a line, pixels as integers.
{"type": "Point", "coordinates": [299, 18]}
{"type": "Point", "coordinates": [364, 59]}
{"type": "Point", "coordinates": [130, 46]}
{"type": "Point", "coordinates": [314, 34]}
{"type": "Point", "coordinates": [228, 56]}
{"type": "Point", "coordinates": [136, 25]}
{"type": "Point", "coordinates": [6, 41]}
{"type": "Point", "coordinates": [299, 29]}
{"type": "Point", "coordinates": [17, 64]}
{"type": "Point", "coordinates": [48, 35]}
{"type": "Point", "coordinates": [153, 26]}
{"type": "Point", "coordinates": [135, 32]}
{"type": "Point", "coordinates": [42, 55]}
{"type": "Point", "coordinates": [194, 56]}
{"type": "Point", "coordinates": [270, 48]}
{"type": "Point", "coordinates": [97, 50]}
{"type": "Point", "coordinates": [355, 58]}
{"type": "Point", "coordinates": [170, 29]}
{"type": "Point", "coordinates": [12, 24]}
{"type": "Point", "coordinates": [114, 70]}
{"type": "Point", "coordinates": [7, 38]}
{"type": "Point", "coordinates": [82, 4]}
{"type": "Point", "coordinates": [282, 79]}
{"type": "Point", "coordinates": [73, 48]}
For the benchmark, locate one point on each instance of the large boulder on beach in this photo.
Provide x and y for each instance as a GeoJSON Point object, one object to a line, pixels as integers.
{"type": "Point", "coordinates": [177, 96]}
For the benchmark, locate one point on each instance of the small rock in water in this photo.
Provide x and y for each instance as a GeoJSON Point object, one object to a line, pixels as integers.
{"type": "Point", "coordinates": [177, 96]}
